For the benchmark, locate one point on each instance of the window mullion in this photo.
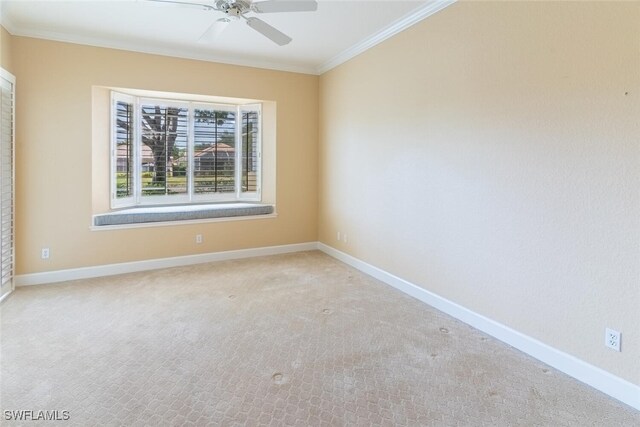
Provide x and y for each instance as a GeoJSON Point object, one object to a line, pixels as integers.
{"type": "Point", "coordinates": [259, 156]}
{"type": "Point", "coordinates": [238, 152]}
{"type": "Point", "coordinates": [190, 152]}
{"type": "Point", "coordinates": [113, 186]}
{"type": "Point", "coordinates": [137, 156]}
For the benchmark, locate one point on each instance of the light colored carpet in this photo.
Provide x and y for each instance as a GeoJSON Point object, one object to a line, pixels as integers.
{"type": "Point", "coordinates": [298, 339]}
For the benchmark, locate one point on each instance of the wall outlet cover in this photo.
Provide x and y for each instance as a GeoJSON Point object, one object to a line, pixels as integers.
{"type": "Point", "coordinates": [612, 339]}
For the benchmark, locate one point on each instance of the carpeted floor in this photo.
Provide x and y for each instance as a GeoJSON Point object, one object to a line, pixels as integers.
{"type": "Point", "coordinates": [295, 339]}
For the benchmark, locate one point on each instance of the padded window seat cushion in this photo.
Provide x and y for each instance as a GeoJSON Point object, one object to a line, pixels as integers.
{"type": "Point", "coordinates": [180, 213]}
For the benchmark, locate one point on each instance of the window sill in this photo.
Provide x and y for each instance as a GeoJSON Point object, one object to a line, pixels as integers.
{"type": "Point", "coordinates": [179, 215]}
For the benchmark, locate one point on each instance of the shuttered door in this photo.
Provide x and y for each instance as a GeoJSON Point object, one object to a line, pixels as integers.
{"type": "Point", "coordinates": [7, 82]}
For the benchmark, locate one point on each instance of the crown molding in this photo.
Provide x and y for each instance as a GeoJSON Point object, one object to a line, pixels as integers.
{"type": "Point", "coordinates": [143, 48]}
{"type": "Point", "coordinates": [428, 9]}
{"type": "Point", "coordinates": [171, 52]}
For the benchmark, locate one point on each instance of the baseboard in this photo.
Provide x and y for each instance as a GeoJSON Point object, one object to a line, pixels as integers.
{"type": "Point", "coordinates": [153, 264]}
{"type": "Point", "coordinates": [597, 378]}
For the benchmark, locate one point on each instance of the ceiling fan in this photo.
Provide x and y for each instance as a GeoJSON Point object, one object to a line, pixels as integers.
{"type": "Point", "coordinates": [234, 10]}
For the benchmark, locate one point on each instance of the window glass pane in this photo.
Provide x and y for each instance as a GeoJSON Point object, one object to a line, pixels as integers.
{"type": "Point", "coordinates": [250, 129]}
{"type": "Point", "coordinates": [214, 151]}
{"type": "Point", "coordinates": [124, 149]}
{"type": "Point", "coordinates": [163, 160]}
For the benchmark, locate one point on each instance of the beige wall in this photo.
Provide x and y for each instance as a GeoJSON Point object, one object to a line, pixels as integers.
{"type": "Point", "coordinates": [491, 155]}
{"type": "Point", "coordinates": [54, 154]}
{"type": "Point", "coordinates": [5, 50]}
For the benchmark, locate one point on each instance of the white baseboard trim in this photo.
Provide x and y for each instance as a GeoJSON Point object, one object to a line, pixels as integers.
{"type": "Point", "coordinates": [597, 378]}
{"type": "Point", "coordinates": [153, 264]}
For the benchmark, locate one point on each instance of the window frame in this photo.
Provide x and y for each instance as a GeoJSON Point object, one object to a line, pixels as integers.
{"type": "Point", "coordinates": [136, 199]}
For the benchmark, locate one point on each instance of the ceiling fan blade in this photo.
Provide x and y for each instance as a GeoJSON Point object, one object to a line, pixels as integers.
{"type": "Point", "coordinates": [268, 31]}
{"type": "Point", "coordinates": [272, 6]}
{"type": "Point", "coordinates": [214, 30]}
{"type": "Point", "coordinates": [182, 4]}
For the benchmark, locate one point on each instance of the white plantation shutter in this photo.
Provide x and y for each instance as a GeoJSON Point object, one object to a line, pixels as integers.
{"type": "Point", "coordinates": [7, 83]}
{"type": "Point", "coordinates": [123, 165]}
{"type": "Point", "coordinates": [214, 151]}
{"type": "Point", "coordinates": [250, 129]}
{"type": "Point", "coordinates": [165, 125]}
{"type": "Point", "coordinates": [178, 152]}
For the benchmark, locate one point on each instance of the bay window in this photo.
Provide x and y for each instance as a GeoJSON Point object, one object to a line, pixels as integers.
{"type": "Point", "coordinates": [178, 152]}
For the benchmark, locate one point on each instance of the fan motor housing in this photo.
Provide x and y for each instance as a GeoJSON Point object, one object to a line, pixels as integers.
{"type": "Point", "coordinates": [233, 9]}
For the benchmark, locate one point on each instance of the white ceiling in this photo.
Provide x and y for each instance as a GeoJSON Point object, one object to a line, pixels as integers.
{"type": "Point", "coordinates": [337, 31]}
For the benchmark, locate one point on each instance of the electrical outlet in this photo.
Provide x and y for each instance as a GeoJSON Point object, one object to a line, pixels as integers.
{"type": "Point", "coordinates": [198, 238]}
{"type": "Point", "coordinates": [45, 253]}
{"type": "Point", "coordinates": [344, 238]}
{"type": "Point", "coordinates": [338, 236]}
{"type": "Point", "coordinates": [612, 339]}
